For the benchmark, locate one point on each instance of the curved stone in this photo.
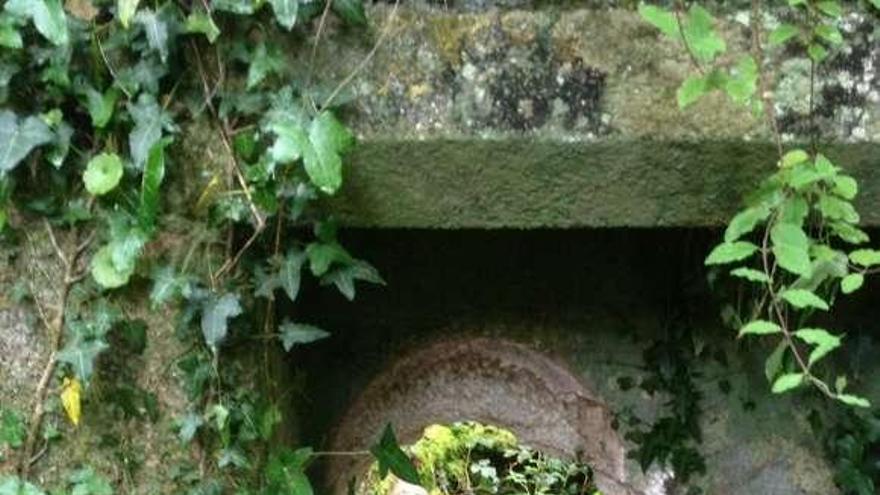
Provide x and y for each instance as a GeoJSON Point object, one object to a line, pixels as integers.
{"type": "Point", "coordinates": [491, 381]}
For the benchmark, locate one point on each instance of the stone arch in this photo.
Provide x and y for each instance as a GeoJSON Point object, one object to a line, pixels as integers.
{"type": "Point", "coordinates": [493, 381]}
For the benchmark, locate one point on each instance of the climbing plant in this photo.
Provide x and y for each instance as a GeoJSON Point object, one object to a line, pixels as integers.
{"type": "Point", "coordinates": [94, 96]}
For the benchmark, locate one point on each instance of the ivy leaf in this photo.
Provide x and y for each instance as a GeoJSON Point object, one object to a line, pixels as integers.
{"type": "Point", "coordinates": [149, 120]}
{"type": "Point", "coordinates": [201, 22]}
{"type": "Point", "coordinates": [156, 30]}
{"type": "Point", "coordinates": [392, 458]}
{"type": "Point", "coordinates": [822, 342]}
{"type": "Point", "coordinates": [80, 354]}
{"type": "Point", "coordinates": [87, 482]}
{"type": "Point", "coordinates": [759, 327]}
{"type": "Point", "coordinates": [188, 426]}
{"type": "Point", "coordinates": [865, 257]}
{"type": "Point", "coordinates": [801, 298]}
{"type": "Point", "coordinates": [264, 61]}
{"type": "Point", "coordinates": [854, 400]}
{"type": "Point", "coordinates": [286, 472]}
{"type": "Point", "coordinates": [154, 173]}
{"type": "Point", "coordinates": [330, 139]}
{"type": "Point", "coordinates": [47, 15]}
{"type": "Point", "coordinates": [12, 485]}
{"type": "Point", "coordinates": [125, 11]}
{"type": "Point", "coordinates": [103, 173]}
{"type": "Point", "coordinates": [351, 11]}
{"type": "Point", "coordinates": [105, 272]}
{"type": "Point", "coordinates": [852, 283]}
{"type": "Point", "coordinates": [100, 106]}
{"type": "Point", "coordinates": [286, 12]}
{"type": "Point", "coordinates": [787, 382]}
{"type": "Point", "coordinates": [323, 254]}
{"type": "Point", "coordinates": [289, 273]}
{"type": "Point", "coordinates": [661, 19]}
{"type": "Point", "coordinates": [292, 334]}
{"type": "Point", "coordinates": [751, 275]}
{"type": "Point", "coordinates": [782, 34]}
{"type": "Point", "coordinates": [17, 139]}
{"type": "Point", "coordinates": [12, 428]}
{"type": "Point", "coordinates": [240, 7]}
{"type": "Point", "coordinates": [791, 248]}
{"type": "Point", "coordinates": [704, 42]}
{"type": "Point", "coordinates": [729, 252]}
{"type": "Point", "coordinates": [215, 318]}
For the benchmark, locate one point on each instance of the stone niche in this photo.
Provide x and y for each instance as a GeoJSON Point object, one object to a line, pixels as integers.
{"type": "Point", "coordinates": [493, 381]}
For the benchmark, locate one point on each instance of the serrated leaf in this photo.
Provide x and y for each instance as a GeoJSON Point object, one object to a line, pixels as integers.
{"type": "Point", "coordinates": [822, 342]}
{"type": "Point", "coordinates": [729, 252]}
{"type": "Point", "coordinates": [782, 34]}
{"type": "Point", "coordinates": [103, 173]}
{"type": "Point", "coordinates": [852, 283]}
{"type": "Point", "coordinates": [834, 208]}
{"type": "Point", "coordinates": [745, 222]}
{"type": "Point", "coordinates": [831, 8]}
{"type": "Point", "coordinates": [17, 139]}
{"type": "Point", "coordinates": [71, 394]}
{"type": "Point", "coordinates": [846, 187]}
{"type": "Point", "coordinates": [351, 11]}
{"type": "Point", "coordinates": [751, 275]}
{"type": "Point", "coordinates": [156, 30]}
{"type": "Point", "coordinates": [865, 257]}
{"type": "Point", "coordinates": [700, 33]}
{"type": "Point", "coordinates": [216, 313]}
{"type": "Point", "coordinates": [105, 272]}
{"type": "Point", "coordinates": [691, 90]}
{"type": "Point", "coordinates": [848, 233]}
{"type": "Point", "coordinates": [292, 334]}
{"type": "Point", "coordinates": [787, 382]}
{"type": "Point", "coordinates": [81, 355]}
{"type": "Point", "coordinates": [125, 11]}
{"type": "Point", "coordinates": [743, 81]}
{"type": "Point", "coordinates": [791, 248]}
{"type": "Point", "coordinates": [391, 457]}
{"type": "Point", "coordinates": [286, 12]}
{"type": "Point", "coordinates": [794, 157]}
{"type": "Point", "coordinates": [661, 19]}
{"type": "Point", "coordinates": [759, 327]}
{"type": "Point", "coordinates": [854, 400]}
{"type": "Point", "coordinates": [830, 34]}
{"type": "Point", "coordinates": [203, 23]}
{"type": "Point", "coordinates": [817, 52]}
{"type": "Point", "coordinates": [801, 298]}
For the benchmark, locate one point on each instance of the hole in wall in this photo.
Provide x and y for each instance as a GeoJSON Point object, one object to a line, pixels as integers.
{"type": "Point", "coordinates": [490, 381]}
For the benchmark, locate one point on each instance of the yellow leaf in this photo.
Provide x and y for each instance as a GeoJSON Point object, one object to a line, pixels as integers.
{"type": "Point", "coordinates": [71, 391]}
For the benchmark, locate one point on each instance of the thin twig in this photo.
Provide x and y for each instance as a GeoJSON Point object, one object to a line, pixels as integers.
{"type": "Point", "coordinates": [758, 55]}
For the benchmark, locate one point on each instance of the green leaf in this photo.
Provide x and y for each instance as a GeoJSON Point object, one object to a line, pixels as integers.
{"type": "Point", "coordinates": [773, 365]}
{"type": "Point", "coordinates": [794, 157]}
{"type": "Point", "coordinates": [702, 39]}
{"type": "Point", "coordinates": [87, 482]}
{"type": "Point", "coordinates": [103, 173]}
{"type": "Point", "coordinates": [286, 12]}
{"type": "Point", "coordinates": [852, 283]}
{"type": "Point", "coordinates": [751, 275]}
{"type": "Point", "coordinates": [201, 22]}
{"type": "Point", "coordinates": [830, 34]}
{"type": "Point", "coordinates": [285, 472]}
{"type": "Point", "coordinates": [322, 255]}
{"type": "Point", "coordinates": [330, 140]}
{"type": "Point", "coordinates": [47, 15]}
{"type": "Point", "coordinates": [101, 106]}
{"type": "Point", "coordinates": [854, 400]}
{"type": "Point", "coordinates": [848, 233]}
{"type": "Point", "coordinates": [391, 457]}
{"type": "Point", "coordinates": [351, 11]}
{"type": "Point", "coordinates": [149, 120]}
{"type": "Point", "coordinates": [105, 272]}
{"type": "Point", "coordinates": [154, 173]}
{"type": "Point", "coordinates": [846, 187]}
{"type": "Point", "coordinates": [18, 139]}
{"type": "Point", "coordinates": [831, 8]}
{"type": "Point", "coordinates": [791, 248]}
{"type": "Point", "coordinates": [745, 222]}
{"type": "Point", "coordinates": [290, 143]}
{"type": "Point", "coordinates": [759, 327]}
{"type": "Point", "coordinates": [216, 313]}
{"type": "Point", "coordinates": [661, 19]}
{"type": "Point", "coordinates": [12, 485]}
{"type": "Point", "coordinates": [782, 34]}
{"type": "Point", "coordinates": [10, 37]}
{"type": "Point", "coordinates": [729, 252]}
{"type": "Point", "coordinates": [865, 257]}
{"type": "Point", "coordinates": [188, 426]}
{"type": "Point", "coordinates": [817, 52]}
{"type": "Point", "coordinates": [743, 81]}
{"type": "Point", "coordinates": [156, 30]}
{"type": "Point", "coordinates": [822, 342]}
{"type": "Point", "coordinates": [787, 382]}
{"type": "Point", "coordinates": [265, 60]}
{"type": "Point", "coordinates": [801, 298]}
{"type": "Point", "coordinates": [125, 10]}
{"type": "Point", "coordinates": [81, 354]}
{"type": "Point", "coordinates": [12, 428]}
{"type": "Point", "coordinates": [292, 334]}
{"type": "Point", "coordinates": [289, 273]}
{"type": "Point", "coordinates": [691, 90]}
{"type": "Point", "coordinates": [834, 208]}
